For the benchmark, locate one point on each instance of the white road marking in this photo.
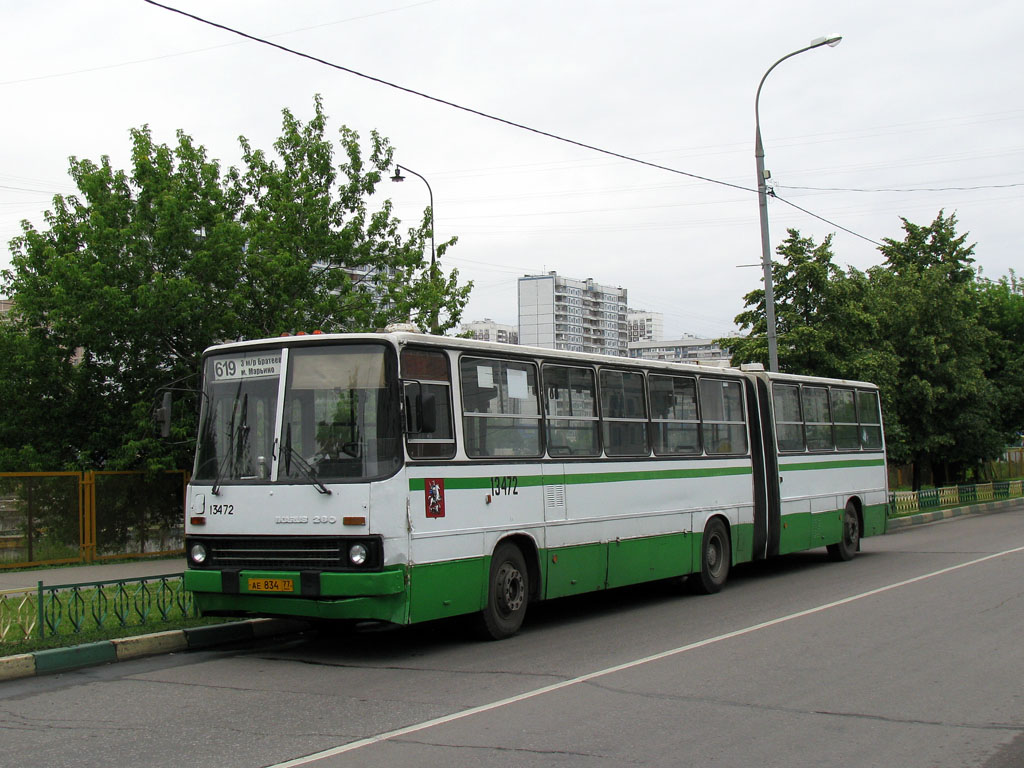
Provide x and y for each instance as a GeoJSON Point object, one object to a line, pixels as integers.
{"type": "Point", "coordinates": [387, 735]}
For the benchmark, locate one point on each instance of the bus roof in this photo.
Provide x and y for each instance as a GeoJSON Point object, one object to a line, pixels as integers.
{"type": "Point", "coordinates": [399, 339]}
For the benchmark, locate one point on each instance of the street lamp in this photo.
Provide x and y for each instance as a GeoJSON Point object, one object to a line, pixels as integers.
{"type": "Point", "coordinates": [398, 177]}
{"type": "Point", "coordinates": [762, 197]}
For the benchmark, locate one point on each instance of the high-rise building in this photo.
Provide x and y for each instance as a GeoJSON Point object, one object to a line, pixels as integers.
{"type": "Point", "coordinates": [488, 330]}
{"type": "Point", "coordinates": [686, 350]}
{"type": "Point", "coordinates": [576, 315]}
{"type": "Point", "coordinates": [644, 325]}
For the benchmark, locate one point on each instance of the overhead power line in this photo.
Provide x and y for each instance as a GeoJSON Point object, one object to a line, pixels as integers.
{"type": "Point", "coordinates": [445, 102]}
{"type": "Point", "coordinates": [488, 116]}
{"type": "Point", "coordinates": [822, 218]}
{"type": "Point", "coordinates": [210, 48]}
{"type": "Point", "coordinates": [903, 189]}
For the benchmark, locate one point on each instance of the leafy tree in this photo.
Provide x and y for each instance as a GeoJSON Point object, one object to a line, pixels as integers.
{"type": "Point", "coordinates": [928, 311]}
{"type": "Point", "coordinates": [142, 269]}
{"type": "Point", "coordinates": [316, 255]}
{"type": "Point", "coordinates": [821, 317]}
{"type": "Point", "coordinates": [1002, 312]}
{"type": "Point", "coordinates": [944, 348]}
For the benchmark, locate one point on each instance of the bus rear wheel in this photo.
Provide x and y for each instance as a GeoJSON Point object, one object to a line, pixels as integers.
{"type": "Point", "coordinates": [715, 559]}
{"type": "Point", "coordinates": [508, 590]}
{"type": "Point", "coordinates": [847, 546]}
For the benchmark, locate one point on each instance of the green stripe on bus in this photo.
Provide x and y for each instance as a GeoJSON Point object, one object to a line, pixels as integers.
{"type": "Point", "coordinates": [656, 474]}
{"type": "Point", "coordinates": [586, 478]}
{"type": "Point", "coordinates": [838, 464]}
{"type": "Point", "coordinates": [469, 483]}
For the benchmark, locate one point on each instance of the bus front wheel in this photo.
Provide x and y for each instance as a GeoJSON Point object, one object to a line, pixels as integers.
{"type": "Point", "coordinates": [715, 559]}
{"type": "Point", "coordinates": [508, 591]}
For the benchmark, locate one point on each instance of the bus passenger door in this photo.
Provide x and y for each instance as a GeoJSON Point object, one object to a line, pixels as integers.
{"type": "Point", "coordinates": [767, 507]}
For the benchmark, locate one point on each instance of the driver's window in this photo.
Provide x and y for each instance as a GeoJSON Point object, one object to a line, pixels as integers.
{"type": "Point", "coordinates": [427, 384]}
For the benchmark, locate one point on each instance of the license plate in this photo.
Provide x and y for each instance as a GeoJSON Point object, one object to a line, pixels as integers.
{"type": "Point", "coordinates": [271, 585]}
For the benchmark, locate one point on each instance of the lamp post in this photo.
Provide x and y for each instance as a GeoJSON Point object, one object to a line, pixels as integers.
{"type": "Point", "coordinates": [398, 177]}
{"type": "Point", "coordinates": [762, 198]}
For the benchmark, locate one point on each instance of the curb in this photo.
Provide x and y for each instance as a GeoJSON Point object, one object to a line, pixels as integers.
{"type": "Point", "coordinates": [106, 651]}
{"type": "Point", "coordinates": [923, 518]}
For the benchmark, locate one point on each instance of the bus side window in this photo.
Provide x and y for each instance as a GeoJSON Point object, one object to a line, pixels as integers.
{"type": "Point", "coordinates": [817, 419]}
{"type": "Point", "coordinates": [674, 415]}
{"type": "Point", "coordinates": [500, 406]}
{"type": "Point", "coordinates": [570, 405]}
{"type": "Point", "coordinates": [428, 404]}
{"type": "Point", "coordinates": [789, 419]}
{"type": "Point", "coordinates": [870, 420]}
{"type": "Point", "coordinates": [623, 413]}
{"type": "Point", "coordinates": [724, 423]}
{"type": "Point", "coordinates": [844, 417]}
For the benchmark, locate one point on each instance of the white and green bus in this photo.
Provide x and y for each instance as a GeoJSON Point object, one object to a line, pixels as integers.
{"type": "Point", "coordinates": [403, 477]}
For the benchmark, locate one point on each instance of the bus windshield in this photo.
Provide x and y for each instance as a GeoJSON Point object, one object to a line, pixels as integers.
{"type": "Point", "coordinates": [236, 433]}
{"type": "Point", "coordinates": [341, 418]}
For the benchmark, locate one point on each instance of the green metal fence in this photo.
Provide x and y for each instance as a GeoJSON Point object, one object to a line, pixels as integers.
{"type": "Point", "coordinates": [926, 500]}
{"type": "Point", "coordinates": [78, 609]}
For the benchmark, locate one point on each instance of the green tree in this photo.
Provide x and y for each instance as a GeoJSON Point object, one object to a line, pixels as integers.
{"type": "Point", "coordinates": [142, 269]}
{"type": "Point", "coordinates": [927, 305]}
{"type": "Point", "coordinates": [821, 318]}
{"type": "Point", "coordinates": [1002, 312]}
{"type": "Point", "coordinates": [944, 348]}
{"type": "Point", "coordinates": [317, 256]}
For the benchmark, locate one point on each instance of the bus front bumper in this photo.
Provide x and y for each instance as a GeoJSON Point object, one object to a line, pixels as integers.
{"type": "Point", "coordinates": [377, 595]}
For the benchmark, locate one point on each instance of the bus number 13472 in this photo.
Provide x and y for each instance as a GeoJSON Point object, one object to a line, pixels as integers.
{"type": "Point", "coordinates": [507, 485]}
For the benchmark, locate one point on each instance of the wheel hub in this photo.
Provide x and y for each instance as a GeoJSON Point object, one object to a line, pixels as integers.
{"type": "Point", "coordinates": [510, 589]}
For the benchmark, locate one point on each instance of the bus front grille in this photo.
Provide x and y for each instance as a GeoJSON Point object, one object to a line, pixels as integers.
{"type": "Point", "coordinates": [314, 553]}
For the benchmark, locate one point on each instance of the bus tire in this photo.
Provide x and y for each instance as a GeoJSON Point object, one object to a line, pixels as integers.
{"type": "Point", "coordinates": [850, 541]}
{"type": "Point", "coordinates": [508, 591]}
{"type": "Point", "coordinates": [715, 559]}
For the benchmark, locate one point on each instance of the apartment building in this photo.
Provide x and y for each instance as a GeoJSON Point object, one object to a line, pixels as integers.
{"type": "Point", "coordinates": [488, 330]}
{"type": "Point", "coordinates": [686, 350]}
{"type": "Point", "coordinates": [644, 325]}
{"type": "Point", "coordinates": [559, 312]}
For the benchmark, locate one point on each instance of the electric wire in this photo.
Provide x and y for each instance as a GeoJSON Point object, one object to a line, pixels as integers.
{"type": "Point", "coordinates": [494, 118]}
{"type": "Point", "coordinates": [445, 102]}
{"type": "Point", "coordinates": [822, 218]}
{"type": "Point", "coordinates": [210, 48]}
{"type": "Point", "coordinates": [903, 189]}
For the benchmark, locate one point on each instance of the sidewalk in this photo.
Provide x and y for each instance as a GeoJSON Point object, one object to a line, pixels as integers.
{"type": "Point", "coordinates": [78, 574]}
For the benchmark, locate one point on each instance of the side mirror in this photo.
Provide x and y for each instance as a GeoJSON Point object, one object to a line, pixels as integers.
{"type": "Point", "coordinates": [162, 415]}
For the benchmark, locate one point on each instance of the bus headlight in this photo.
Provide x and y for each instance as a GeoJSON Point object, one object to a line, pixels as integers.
{"type": "Point", "coordinates": [197, 554]}
{"type": "Point", "coordinates": [358, 554]}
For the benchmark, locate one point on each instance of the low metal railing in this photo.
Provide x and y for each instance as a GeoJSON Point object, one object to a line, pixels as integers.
{"type": "Point", "coordinates": [909, 502]}
{"type": "Point", "coordinates": [77, 609]}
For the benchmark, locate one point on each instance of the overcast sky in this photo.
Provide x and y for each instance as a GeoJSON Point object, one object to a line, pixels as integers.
{"type": "Point", "coordinates": [919, 95]}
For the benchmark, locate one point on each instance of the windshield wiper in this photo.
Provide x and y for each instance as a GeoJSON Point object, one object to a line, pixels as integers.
{"type": "Point", "coordinates": [301, 463]}
{"type": "Point", "coordinates": [243, 426]}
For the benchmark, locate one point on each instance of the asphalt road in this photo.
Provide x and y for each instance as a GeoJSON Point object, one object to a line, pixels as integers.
{"type": "Point", "coordinates": [910, 656]}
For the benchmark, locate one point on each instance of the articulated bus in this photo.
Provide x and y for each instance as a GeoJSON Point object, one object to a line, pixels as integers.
{"type": "Point", "coordinates": [403, 477]}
